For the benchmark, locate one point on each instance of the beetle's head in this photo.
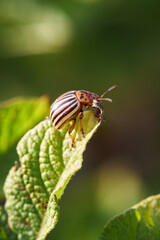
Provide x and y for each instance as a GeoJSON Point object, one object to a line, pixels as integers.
{"type": "Point", "coordinates": [98, 109]}
{"type": "Point", "coordinates": [98, 104]}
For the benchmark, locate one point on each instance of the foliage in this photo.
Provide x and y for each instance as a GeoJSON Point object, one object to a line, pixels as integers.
{"type": "Point", "coordinates": [55, 46]}
{"type": "Point", "coordinates": [5, 232]}
{"type": "Point", "coordinates": [140, 222]}
{"type": "Point", "coordinates": [47, 162]}
{"type": "Point", "coordinates": [17, 116]}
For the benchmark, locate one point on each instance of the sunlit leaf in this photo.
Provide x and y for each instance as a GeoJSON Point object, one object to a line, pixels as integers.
{"type": "Point", "coordinates": [141, 222]}
{"type": "Point", "coordinates": [17, 116]}
{"type": "Point", "coordinates": [47, 162]}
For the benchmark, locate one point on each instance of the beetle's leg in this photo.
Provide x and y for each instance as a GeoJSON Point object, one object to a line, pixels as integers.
{"type": "Point", "coordinates": [80, 119]}
{"type": "Point", "coordinates": [97, 116]}
{"type": "Point", "coordinates": [91, 111]}
{"type": "Point", "coordinates": [70, 130]}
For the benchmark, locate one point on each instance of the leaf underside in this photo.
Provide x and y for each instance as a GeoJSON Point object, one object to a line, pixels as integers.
{"type": "Point", "coordinates": [141, 222]}
{"type": "Point", "coordinates": [47, 162]}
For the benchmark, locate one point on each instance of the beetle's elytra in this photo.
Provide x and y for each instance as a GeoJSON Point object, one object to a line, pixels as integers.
{"type": "Point", "coordinates": [66, 108]}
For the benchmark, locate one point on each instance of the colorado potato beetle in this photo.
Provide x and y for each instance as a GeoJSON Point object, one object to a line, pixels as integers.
{"type": "Point", "coordinates": [67, 107]}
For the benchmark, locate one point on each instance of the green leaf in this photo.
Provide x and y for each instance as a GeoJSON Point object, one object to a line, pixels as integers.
{"type": "Point", "coordinates": [141, 222]}
{"type": "Point", "coordinates": [47, 162]}
{"type": "Point", "coordinates": [5, 232]}
{"type": "Point", "coordinates": [17, 116]}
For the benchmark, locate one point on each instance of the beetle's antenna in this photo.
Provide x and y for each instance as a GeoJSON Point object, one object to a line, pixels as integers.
{"type": "Point", "coordinates": [110, 89]}
{"type": "Point", "coordinates": [105, 99]}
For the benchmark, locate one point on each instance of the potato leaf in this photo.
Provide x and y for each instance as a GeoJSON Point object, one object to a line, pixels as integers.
{"type": "Point", "coordinates": [5, 231]}
{"type": "Point", "coordinates": [19, 115]}
{"type": "Point", "coordinates": [47, 162]}
{"type": "Point", "coordinates": [141, 222]}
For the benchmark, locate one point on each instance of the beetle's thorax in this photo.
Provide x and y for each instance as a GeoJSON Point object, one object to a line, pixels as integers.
{"type": "Point", "coordinates": [86, 98]}
{"type": "Point", "coordinates": [83, 97]}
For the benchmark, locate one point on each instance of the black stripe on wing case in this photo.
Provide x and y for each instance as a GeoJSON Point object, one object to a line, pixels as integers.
{"type": "Point", "coordinates": [62, 109]}
{"type": "Point", "coordinates": [66, 95]}
{"type": "Point", "coordinates": [61, 105]}
{"type": "Point", "coordinates": [67, 111]}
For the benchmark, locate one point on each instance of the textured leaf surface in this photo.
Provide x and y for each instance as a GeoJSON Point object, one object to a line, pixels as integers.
{"type": "Point", "coordinates": [5, 232]}
{"type": "Point", "coordinates": [141, 222]}
{"type": "Point", "coordinates": [47, 162]}
{"type": "Point", "coordinates": [17, 116]}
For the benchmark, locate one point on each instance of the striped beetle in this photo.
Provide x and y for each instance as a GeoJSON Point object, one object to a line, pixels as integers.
{"type": "Point", "coordinates": [66, 108]}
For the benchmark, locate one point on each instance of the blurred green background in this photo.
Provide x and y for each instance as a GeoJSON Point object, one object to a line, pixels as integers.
{"type": "Point", "coordinates": [50, 47]}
